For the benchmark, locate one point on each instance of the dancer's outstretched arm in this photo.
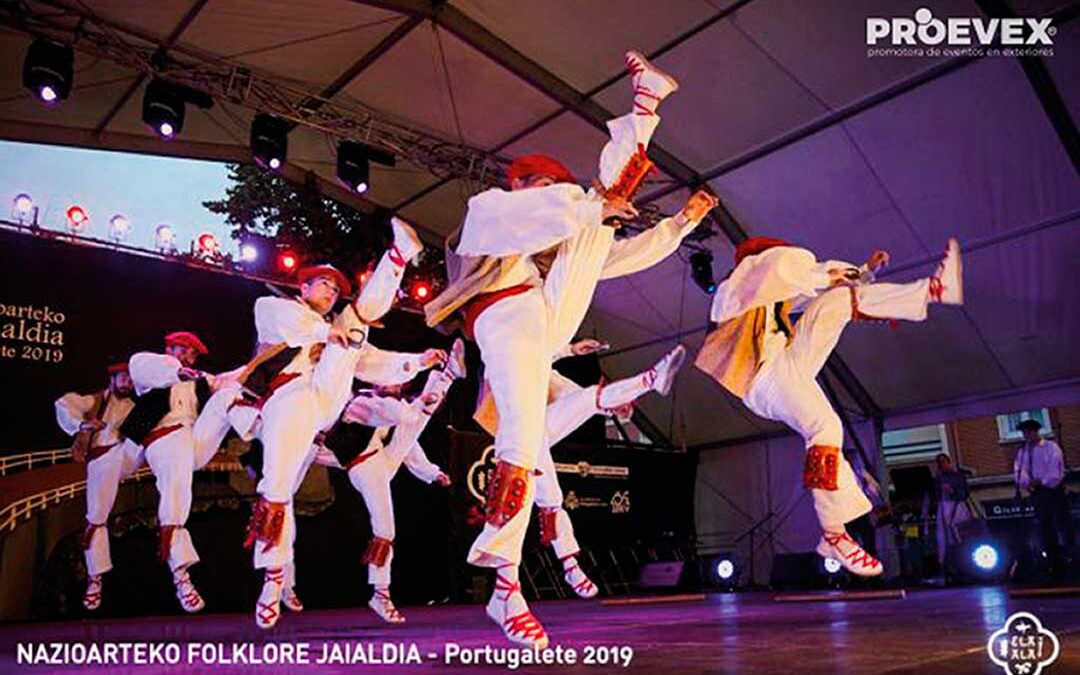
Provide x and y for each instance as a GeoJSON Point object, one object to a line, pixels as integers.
{"type": "Point", "coordinates": [644, 250]}
{"type": "Point", "coordinates": [384, 367]}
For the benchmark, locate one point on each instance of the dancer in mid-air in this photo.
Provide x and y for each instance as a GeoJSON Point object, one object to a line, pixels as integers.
{"type": "Point", "coordinates": [757, 355]}
{"type": "Point", "coordinates": [522, 271]}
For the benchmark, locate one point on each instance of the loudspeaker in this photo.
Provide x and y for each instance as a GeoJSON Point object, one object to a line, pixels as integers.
{"type": "Point", "coordinates": [660, 574]}
{"type": "Point", "coordinates": [798, 571]}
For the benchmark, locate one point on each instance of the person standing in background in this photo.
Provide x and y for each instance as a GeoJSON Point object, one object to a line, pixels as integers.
{"type": "Point", "coordinates": [1039, 469]}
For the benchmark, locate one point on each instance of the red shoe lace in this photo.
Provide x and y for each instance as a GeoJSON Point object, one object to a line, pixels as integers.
{"type": "Point", "coordinates": [267, 612]}
{"type": "Point", "coordinates": [936, 289]}
{"type": "Point", "coordinates": [648, 379]}
{"type": "Point", "coordinates": [583, 585]}
{"type": "Point", "coordinates": [857, 556]}
{"type": "Point", "coordinates": [396, 257]}
{"type": "Point", "coordinates": [388, 605]}
{"type": "Point", "coordinates": [634, 66]}
{"type": "Point", "coordinates": [524, 624]}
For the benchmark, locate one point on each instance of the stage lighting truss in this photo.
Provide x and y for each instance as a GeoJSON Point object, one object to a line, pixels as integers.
{"type": "Point", "coordinates": [230, 81]}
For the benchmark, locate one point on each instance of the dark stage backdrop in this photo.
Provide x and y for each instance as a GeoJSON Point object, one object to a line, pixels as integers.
{"type": "Point", "coordinates": [66, 311]}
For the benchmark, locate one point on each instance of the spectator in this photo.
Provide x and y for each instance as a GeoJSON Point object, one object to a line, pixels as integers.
{"type": "Point", "coordinates": [951, 494]}
{"type": "Point", "coordinates": [1039, 469]}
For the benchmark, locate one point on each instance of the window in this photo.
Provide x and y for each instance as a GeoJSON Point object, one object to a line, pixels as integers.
{"type": "Point", "coordinates": [916, 444]}
{"type": "Point", "coordinates": [1006, 423]}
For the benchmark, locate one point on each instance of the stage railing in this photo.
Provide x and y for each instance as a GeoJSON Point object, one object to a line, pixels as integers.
{"type": "Point", "coordinates": [29, 460]}
{"type": "Point", "coordinates": [17, 511]}
{"type": "Point", "coordinates": [27, 506]}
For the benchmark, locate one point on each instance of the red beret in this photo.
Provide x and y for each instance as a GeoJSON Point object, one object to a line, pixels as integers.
{"type": "Point", "coordinates": [186, 339]}
{"type": "Point", "coordinates": [755, 245]}
{"type": "Point", "coordinates": [307, 273]}
{"type": "Point", "coordinates": [118, 368]}
{"type": "Point", "coordinates": [539, 165]}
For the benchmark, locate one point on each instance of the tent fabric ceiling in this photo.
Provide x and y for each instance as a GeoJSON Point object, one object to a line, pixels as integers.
{"type": "Point", "coordinates": [970, 151]}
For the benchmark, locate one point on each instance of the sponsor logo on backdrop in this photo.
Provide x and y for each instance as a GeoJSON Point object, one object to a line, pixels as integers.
{"type": "Point", "coordinates": [585, 470]}
{"type": "Point", "coordinates": [1023, 646]}
{"type": "Point", "coordinates": [478, 474]}
{"type": "Point", "coordinates": [31, 333]}
{"type": "Point", "coordinates": [925, 35]}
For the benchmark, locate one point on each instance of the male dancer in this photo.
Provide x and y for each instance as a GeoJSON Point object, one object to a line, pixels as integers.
{"type": "Point", "coordinates": [94, 421]}
{"type": "Point", "coordinates": [170, 393]}
{"type": "Point", "coordinates": [304, 374]}
{"type": "Point", "coordinates": [571, 405]}
{"type": "Point", "coordinates": [522, 275]}
{"type": "Point", "coordinates": [757, 355]}
{"type": "Point", "coordinates": [378, 432]}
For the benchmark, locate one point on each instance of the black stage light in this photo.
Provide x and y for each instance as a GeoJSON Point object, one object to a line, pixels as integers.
{"type": "Point", "coordinates": [701, 271]}
{"type": "Point", "coordinates": [354, 164]}
{"type": "Point", "coordinates": [163, 108]}
{"type": "Point", "coordinates": [269, 141]}
{"type": "Point", "coordinates": [48, 70]}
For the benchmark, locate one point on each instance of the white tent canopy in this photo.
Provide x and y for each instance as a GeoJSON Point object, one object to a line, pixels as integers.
{"type": "Point", "coordinates": [781, 112]}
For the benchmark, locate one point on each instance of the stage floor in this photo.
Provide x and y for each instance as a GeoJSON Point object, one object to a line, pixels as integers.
{"type": "Point", "coordinates": [938, 631]}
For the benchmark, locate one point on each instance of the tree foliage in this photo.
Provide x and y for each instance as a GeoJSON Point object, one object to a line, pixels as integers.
{"type": "Point", "coordinates": [298, 217]}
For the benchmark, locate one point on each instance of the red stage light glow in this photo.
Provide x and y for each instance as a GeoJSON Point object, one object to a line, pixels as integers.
{"type": "Point", "coordinates": [287, 261]}
{"type": "Point", "coordinates": [421, 291]}
{"type": "Point", "coordinates": [76, 217]}
{"type": "Point", "coordinates": [208, 243]}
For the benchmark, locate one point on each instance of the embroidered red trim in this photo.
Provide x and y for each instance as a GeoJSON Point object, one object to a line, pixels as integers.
{"type": "Point", "coordinates": [822, 468]}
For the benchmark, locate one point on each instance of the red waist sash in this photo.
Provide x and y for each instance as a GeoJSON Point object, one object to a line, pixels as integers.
{"type": "Point", "coordinates": [473, 308]}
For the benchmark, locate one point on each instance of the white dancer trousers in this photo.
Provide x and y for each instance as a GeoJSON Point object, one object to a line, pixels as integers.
{"type": "Point", "coordinates": [103, 476]}
{"type": "Point", "coordinates": [300, 409]}
{"type": "Point", "coordinates": [371, 479]}
{"type": "Point", "coordinates": [574, 406]}
{"type": "Point", "coordinates": [172, 459]}
{"type": "Point", "coordinates": [519, 334]}
{"type": "Point", "coordinates": [785, 388]}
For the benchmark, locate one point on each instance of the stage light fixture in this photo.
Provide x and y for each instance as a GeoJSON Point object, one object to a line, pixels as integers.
{"type": "Point", "coordinates": [23, 204]}
{"type": "Point", "coordinates": [701, 271]}
{"type": "Point", "coordinates": [165, 238]}
{"type": "Point", "coordinates": [721, 571]}
{"type": "Point", "coordinates": [985, 557]}
{"type": "Point", "coordinates": [77, 218]}
{"type": "Point", "coordinates": [48, 70]}
{"type": "Point", "coordinates": [354, 164]}
{"type": "Point", "coordinates": [119, 227]}
{"type": "Point", "coordinates": [725, 569]}
{"type": "Point", "coordinates": [163, 108]}
{"type": "Point", "coordinates": [832, 565]}
{"type": "Point", "coordinates": [420, 291]}
{"type": "Point", "coordinates": [353, 168]}
{"type": "Point", "coordinates": [269, 141]}
{"type": "Point", "coordinates": [208, 244]}
{"type": "Point", "coordinates": [288, 261]}
{"type": "Point", "coordinates": [249, 253]}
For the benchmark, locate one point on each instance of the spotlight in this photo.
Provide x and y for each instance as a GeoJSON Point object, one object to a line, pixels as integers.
{"type": "Point", "coordinates": [725, 569]}
{"type": "Point", "coordinates": [165, 238]}
{"type": "Point", "coordinates": [249, 253]}
{"type": "Point", "coordinates": [269, 141]}
{"type": "Point", "coordinates": [23, 204]}
{"type": "Point", "coordinates": [985, 557]}
{"type": "Point", "coordinates": [832, 565]}
{"type": "Point", "coordinates": [420, 291]}
{"type": "Point", "coordinates": [701, 271]}
{"type": "Point", "coordinates": [77, 218]}
{"type": "Point", "coordinates": [287, 261]}
{"type": "Point", "coordinates": [163, 108]}
{"type": "Point", "coordinates": [353, 164]}
{"type": "Point", "coordinates": [119, 226]}
{"type": "Point", "coordinates": [208, 245]}
{"type": "Point", "coordinates": [721, 570]}
{"type": "Point", "coordinates": [48, 70]}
